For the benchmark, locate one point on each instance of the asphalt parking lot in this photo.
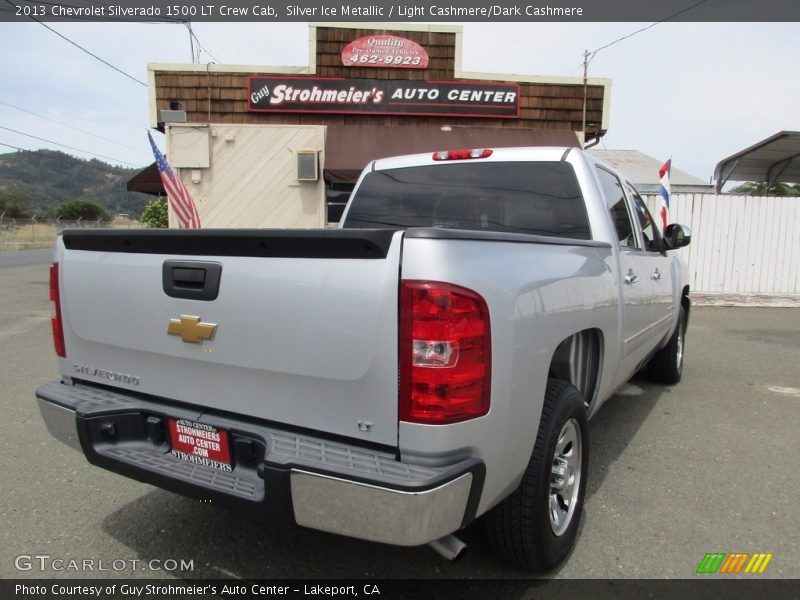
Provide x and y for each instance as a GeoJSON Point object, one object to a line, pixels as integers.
{"type": "Point", "coordinates": [710, 465]}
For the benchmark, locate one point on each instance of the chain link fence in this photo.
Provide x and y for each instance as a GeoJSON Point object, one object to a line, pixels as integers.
{"type": "Point", "coordinates": [38, 234]}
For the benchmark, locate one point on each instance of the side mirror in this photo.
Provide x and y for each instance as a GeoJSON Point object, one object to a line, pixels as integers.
{"type": "Point", "coordinates": [677, 236]}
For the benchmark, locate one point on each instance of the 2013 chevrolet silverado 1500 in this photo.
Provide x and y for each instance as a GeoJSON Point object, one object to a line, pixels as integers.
{"type": "Point", "coordinates": [433, 360]}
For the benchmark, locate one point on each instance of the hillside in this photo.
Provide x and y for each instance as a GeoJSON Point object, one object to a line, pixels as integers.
{"type": "Point", "coordinates": [50, 178]}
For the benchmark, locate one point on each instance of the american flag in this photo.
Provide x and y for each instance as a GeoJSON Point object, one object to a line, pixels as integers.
{"type": "Point", "coordinates": [663, 195]}
{"type": "Point", "coordinates": [179, 198]}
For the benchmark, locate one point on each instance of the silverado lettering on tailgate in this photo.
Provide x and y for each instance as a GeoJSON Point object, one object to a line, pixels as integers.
{"type": "Point", "coordinates": [104, 374]}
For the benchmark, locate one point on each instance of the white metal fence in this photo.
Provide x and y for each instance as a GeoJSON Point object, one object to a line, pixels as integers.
{"type": "Point", "coordinates": [741, 245]}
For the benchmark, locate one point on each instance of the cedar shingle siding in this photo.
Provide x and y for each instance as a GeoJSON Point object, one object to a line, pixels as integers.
{"type": "Point", "coordinates": [542, 106]}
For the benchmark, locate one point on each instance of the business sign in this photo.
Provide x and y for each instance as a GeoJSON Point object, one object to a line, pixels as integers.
{"type": "Point", "coordinates": [384, 51]}
{"type": "Point", "coordinates": [200, 444]}
{"type": "Point", "coordinates": [382, 97]}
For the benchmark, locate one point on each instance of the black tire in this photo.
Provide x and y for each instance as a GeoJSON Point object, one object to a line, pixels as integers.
{"type": "Point", "coordinates": [666, 366]}
{"type": "Point", "coordinates": [520, 528]}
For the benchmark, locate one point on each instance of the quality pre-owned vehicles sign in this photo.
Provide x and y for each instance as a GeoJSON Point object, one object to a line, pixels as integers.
{"type": "Point", "coordinates": [379, 96]}
{"type": "Point", "coordinates": [386, 52]}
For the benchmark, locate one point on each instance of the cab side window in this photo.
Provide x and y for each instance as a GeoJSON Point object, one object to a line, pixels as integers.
{"type": "Point", "coordinates": [620, 215]}
{"type": "Point", "coordinates": [646, 222]}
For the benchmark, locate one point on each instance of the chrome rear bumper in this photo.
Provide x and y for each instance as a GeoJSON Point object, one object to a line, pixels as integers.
{"type": "Point", "coordinates": [379, 514]}
{"type": "Point", "coordinates": [60, 422]}
{"type": "Point", "coordinates": [330, 486]}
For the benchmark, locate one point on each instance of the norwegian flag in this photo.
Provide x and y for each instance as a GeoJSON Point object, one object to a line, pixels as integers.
{"type": "Point", "coordinates": [663, 195]}
{"type": "Point", "coordinates": [179, 198]}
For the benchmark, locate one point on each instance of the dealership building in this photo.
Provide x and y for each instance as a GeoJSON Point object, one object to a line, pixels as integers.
{"type": "Point", "coordinates": [270, 146]}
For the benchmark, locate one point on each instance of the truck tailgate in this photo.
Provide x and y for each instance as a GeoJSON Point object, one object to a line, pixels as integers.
{"type": "Point", "coordinates": [306, 323]}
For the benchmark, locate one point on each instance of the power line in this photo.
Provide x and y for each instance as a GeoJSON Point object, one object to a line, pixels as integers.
{"type": "Point", "coordinates": [191, 41]}
{"type": "Point", "coordinates": [69, 147]}
{"type": "Point", "coordinates": [204, 49]}
{"type": "Point", "coordinates": [200, 46]}
{"type": "Point", "coordinates": [625, 37]}
{"type": "Point", "coordinates": [65, 38]}
{"type": "Point", "coordinates": [100, 137]}
{"type": "Point", "coordinates": [105, 62]}
{"type": "Point", "coordinates": [224, 29]}
{"type": "Point", "coordinates": [39, 152]}
{"type": "Point", "coordinates": [588, 57]}
{"type": "Point", "coordinates": [15, 147]}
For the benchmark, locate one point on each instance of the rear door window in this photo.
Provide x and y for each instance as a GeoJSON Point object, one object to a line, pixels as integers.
{"type": "Point", "coordinates": [540, 198]}
{"type": "Point", "coordinates": [648, 226]}
{"type": "Point", "coordinates": [620, 215]}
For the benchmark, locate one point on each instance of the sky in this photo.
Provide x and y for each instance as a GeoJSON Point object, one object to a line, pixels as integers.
{"type": "Point", "coordinates": [695, 92]}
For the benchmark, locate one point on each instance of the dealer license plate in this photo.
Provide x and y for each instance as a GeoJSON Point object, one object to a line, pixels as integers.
{"type": "Point", "coordinates": [200, 444]}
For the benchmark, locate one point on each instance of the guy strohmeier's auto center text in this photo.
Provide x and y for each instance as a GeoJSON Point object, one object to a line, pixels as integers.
{"type": "Point", "coordinates": [294, 11]}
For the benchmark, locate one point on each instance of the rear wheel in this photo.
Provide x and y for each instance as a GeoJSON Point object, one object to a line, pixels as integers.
{"type": "Point", "coordinates": [666, 366]}
{"type": "Point", "coordinates": [535, 527]}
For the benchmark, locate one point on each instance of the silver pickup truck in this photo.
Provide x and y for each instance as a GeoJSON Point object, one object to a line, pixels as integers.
{"type": "Point", "coordinates": [432, 361]}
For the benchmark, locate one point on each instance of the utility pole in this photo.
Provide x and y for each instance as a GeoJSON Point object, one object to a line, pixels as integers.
{"type": "Point", "coordinates": [191, 41]}
{"type": "Point", "coordinates": [585, 91]}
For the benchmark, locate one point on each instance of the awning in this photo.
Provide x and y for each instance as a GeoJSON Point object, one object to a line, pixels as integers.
{"type": "Point", "coordinates": [774, 159]}
{"type": "Point", "coordinates": [147, 181]}
{"type": "Point", "coordinates": [348, 149]}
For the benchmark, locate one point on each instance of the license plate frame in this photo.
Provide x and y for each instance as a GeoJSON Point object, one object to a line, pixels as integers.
{"type": "Point", "coordinates": [200, 444]}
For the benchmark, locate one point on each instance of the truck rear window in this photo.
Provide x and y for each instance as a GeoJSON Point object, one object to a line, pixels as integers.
{"type": "Point", "coordinates": [541, 198]}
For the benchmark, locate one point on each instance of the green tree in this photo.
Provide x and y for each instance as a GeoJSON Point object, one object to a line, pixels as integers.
{"type": "Point", "coordinates": [753, 188]}
{"type": "Point", "coordinates": [155, 213]}
{"type": "Point", "coordinates": [81, 209]}
{"type": "Point", "coordinates": [15, 204]}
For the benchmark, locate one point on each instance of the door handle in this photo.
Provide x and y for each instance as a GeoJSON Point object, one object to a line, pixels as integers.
{"type": "Point", "coordinates": [656, 275]}
{"type": "Point", "coordinates": [192, 280]}
{"type": "Point", "coordinates": [631, 277]}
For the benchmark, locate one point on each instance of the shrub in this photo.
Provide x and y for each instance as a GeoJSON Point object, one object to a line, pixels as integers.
{"type": "Point", "coordinates": [81, 209]}
{"type": "Point", "coordinates": [155, 213]}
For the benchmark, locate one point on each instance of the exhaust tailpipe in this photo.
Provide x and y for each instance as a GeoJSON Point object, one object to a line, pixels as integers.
{"type": "Point", "coordinates": [450, 547]}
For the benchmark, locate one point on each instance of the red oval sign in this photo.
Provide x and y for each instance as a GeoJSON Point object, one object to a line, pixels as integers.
{"type": "Point", "coordinates": [384, 51]}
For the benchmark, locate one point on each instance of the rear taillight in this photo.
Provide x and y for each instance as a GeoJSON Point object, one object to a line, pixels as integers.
{"type": "Point", "coordinates": [55, 298]}
{"type": "Point", "coordinates": [462, 154]}
{"type": "Point", "coordinates": [445, 353]}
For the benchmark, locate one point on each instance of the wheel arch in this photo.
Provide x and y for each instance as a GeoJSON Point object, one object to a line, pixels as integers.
{"type": "Point", "coordinates": [686, 302]}
{"type": "Point", "coordinates": [578, 359]}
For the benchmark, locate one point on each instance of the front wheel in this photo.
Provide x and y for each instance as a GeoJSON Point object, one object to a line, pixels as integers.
{"type": "Point", "coordinates": [535, 527]}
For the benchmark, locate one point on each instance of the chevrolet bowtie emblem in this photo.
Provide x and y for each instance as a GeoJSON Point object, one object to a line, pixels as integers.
{"type": "Point", "coordinates": [191, 329]}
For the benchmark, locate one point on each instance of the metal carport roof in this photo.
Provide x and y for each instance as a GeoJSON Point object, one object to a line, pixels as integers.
{"type": "Point", "coordinates": [776, 158]}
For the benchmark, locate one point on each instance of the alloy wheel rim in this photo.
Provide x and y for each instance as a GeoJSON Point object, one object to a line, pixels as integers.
{"type": "Point", "coordinates": [565, 477]}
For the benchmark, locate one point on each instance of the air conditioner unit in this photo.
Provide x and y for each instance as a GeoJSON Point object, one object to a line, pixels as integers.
{"type": "Point", "coordinates": [172, 116]}
{"type": "Point", "coordinates": [307, 165]}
